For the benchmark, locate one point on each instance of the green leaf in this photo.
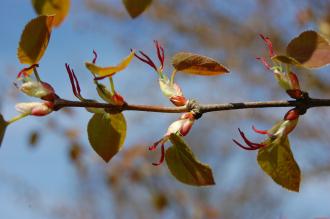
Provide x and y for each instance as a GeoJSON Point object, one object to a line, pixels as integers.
{"type": "Point", "coordinates": [136, 7]}
{"type": "Point", "coordinates": [310, 49]}
{"type": "Point", "coordinates": [34, 40]}
{"type": "Point", "coordinates": [3, 126]}
{"type": "Point", "coordinates": [106, 134]}
{"type": "Point", "coordinates": [184, 166]}
{"type": "Point", "coordinates": [59, 8]}
{"type": "Point", "coordinates": [278, 162]}
{"type": "Point", "coordinates": [196, 64]}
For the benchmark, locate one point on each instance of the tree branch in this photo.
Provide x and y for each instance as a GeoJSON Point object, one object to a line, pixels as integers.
{"type": "Point", "coordinates": [202, 108]}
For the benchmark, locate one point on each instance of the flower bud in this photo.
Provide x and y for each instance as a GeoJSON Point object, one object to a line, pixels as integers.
{"type": "Point", "coordinates": [38, 89]}
{"type": "Point", "coordinates": [181, 126]}
{"type": "Point", "coordinates": [172, 91]}
{"type": "Point", "coordinates": [35, 108]}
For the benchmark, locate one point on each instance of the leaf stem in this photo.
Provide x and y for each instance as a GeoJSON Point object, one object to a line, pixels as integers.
{"type": "Point", "coordinates": [16, 118]}
{"type": "Point", "coordinates": [112, 85]}
{"type": "Point", "coordinates": [36, 74]}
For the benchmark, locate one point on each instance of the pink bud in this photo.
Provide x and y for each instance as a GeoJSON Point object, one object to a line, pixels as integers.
{"type": "Point", "coordinates": [38, 89]}
{"type": "Point", "coordinates": [118, 99]}
{"type": "Point", "coordinates": [181, 126]}
{"type": "Point", "coordinates": [35, 108]}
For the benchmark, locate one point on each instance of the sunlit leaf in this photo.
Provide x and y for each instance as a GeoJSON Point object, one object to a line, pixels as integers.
{"type": "Point", "coordinates": [184, 165]}
{"type": "Point", "coordinates": [278, 162]}
{"type": "Point", "coordinates": [59, 8]}
{"type": "Point", "coordinates": [34, 40]}
{"type": "Point", "coordinates": [196, 64]}
{"type": "Point", "coordinates": [106, 134]}
{"type": "Point", "coordinates": [111, 70]}
{"type": "Point", "coordinates": [310, 49]}
{"type": "Point", "coordinates": [285, 59]}
{"type": "Point", "coordinates": [136, 7]}
{"type": "Point", "coordinates": [3, 126]}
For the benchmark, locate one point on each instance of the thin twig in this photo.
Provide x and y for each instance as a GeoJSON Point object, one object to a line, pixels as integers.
{"type": "Point", "coordinates": [204, 108]}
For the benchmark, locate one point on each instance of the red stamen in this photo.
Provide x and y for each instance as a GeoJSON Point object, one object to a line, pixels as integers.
{"type": "Point", "coordinates": [102, 77]}
{"type": "Point", "coordinates": [262, 132]}
{"type": "Point", "coordinates": [154, 146]}
{"type": "Point", "coordinates": [74, 81]}
{"type": "Point", "coordinates": [24, 70]}
{"type": "Point", "coordinates": [95, 57]}
{"type": "Point", "coordinates": [269, 44]}
{"type": "Point", "coordinates": [264, 62]}
{"type": "Point", "coordinates": [248, 142]}
{"type": "Point", "coordinates": [146, 59]}
{"type": "Point", "coordinates": [77, 82]}
{"type": "Point", "coordinates": [162, 157]}
{"type": "Point", "coordinates": [71, 79]}
{"type": "Point", "coordinates": [160, 53]}
{"type": "Point", "coordinates": [242, 146]}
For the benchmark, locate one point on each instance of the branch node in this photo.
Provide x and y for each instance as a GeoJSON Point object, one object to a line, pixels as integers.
{"type": "Point", "coordinates": [194, 107]}
{"type": "Point", "coordinates": [303, 103]}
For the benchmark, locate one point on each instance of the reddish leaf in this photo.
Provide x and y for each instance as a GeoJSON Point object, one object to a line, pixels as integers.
{"type": "Point", "coordinates": [196, 64]}
{"type": "Point", "coordinates": [310, 49]}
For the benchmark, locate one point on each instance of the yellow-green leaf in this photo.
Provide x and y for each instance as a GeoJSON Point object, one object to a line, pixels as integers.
{"type": "Point", "coordinates": [136, 7]}
{"type": "Point", "coordinates": [34, 40]}
{"type": "Point", "coordinates": [278, 162]}
{"type": "Point", "coordinates": [106, 134]}
{"type": "Point", "coordinates": [184, 166]}
{"type": "Point", "coordinates": [285, 59]}
{"type": "Point", "coordinates": [3, 126]}
{"type": "Point", "coordinates": [59, 8]}
{"type": "Point", "coordinates": [196, 64]}
{"type": "Point", "coordinates": [111, 70]}
{"type": "Point", "coordinates": [310, 49]}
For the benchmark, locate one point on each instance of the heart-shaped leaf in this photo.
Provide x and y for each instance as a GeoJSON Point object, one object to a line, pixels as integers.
{"type": "Point", "coordinates": [59, 8]}
{"type": "Point", "coordinates": [196, 64]}
{"type": "Point", "coordinates": [310, 49]}
{"type": "Point", "coordinates": [106, 134]}
{"type": "Point", "coordinates": [111, 70]}
{"type": "Point", "coordinates": [184, 166]}
{"type": "Point", "coordinates": [278, 162]}
{"type": "Point", "coordinates": [136, 7]}
{"type": "Point", "coordinates": [34, 40]}
{"type": "Point", "coordinates": [3, 126]}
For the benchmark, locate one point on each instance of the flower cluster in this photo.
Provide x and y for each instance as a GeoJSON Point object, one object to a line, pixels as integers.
{"type": "Point", "coordinates": [180, 127]}
{"type": "Point", "coordinates": [287, 79]}
{"type": "Point", "coordinates": [290, 83]}
{"type": "Point", "coordinates": [278, 133]}
{"type": "Point", "coordinates": [170, 89]}
{"type": "Point", "coordinates": [35, 88]}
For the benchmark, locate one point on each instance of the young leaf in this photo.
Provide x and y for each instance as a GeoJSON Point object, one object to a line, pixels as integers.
{"type": "Point", "coordinates": [310, 49]}
{"type": "Point", "coordinates": [184, 166]}
{"type": "Point", "coordinates": [34, 40]}
{"type": "Point", "coordinates": [3, 126]}
{"type": "Point", "coordinates": [106, 134]}
{"type": "Point", "coordinates": [59, 8]}
{"type": "Point", "coordinates": [136, 7]}
{"type": "Point", "coordinates": [285, 59]}
{"type": "Point", "coordinates": [196, 64]}
{"type": "Point", "coordinates": [111, 70]}
{"type": "Point", "coordinates": [278, 162]}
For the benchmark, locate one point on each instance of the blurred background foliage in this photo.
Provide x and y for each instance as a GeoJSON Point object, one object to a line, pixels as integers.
{"type": "Point", "coordinates": [61, 177]}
